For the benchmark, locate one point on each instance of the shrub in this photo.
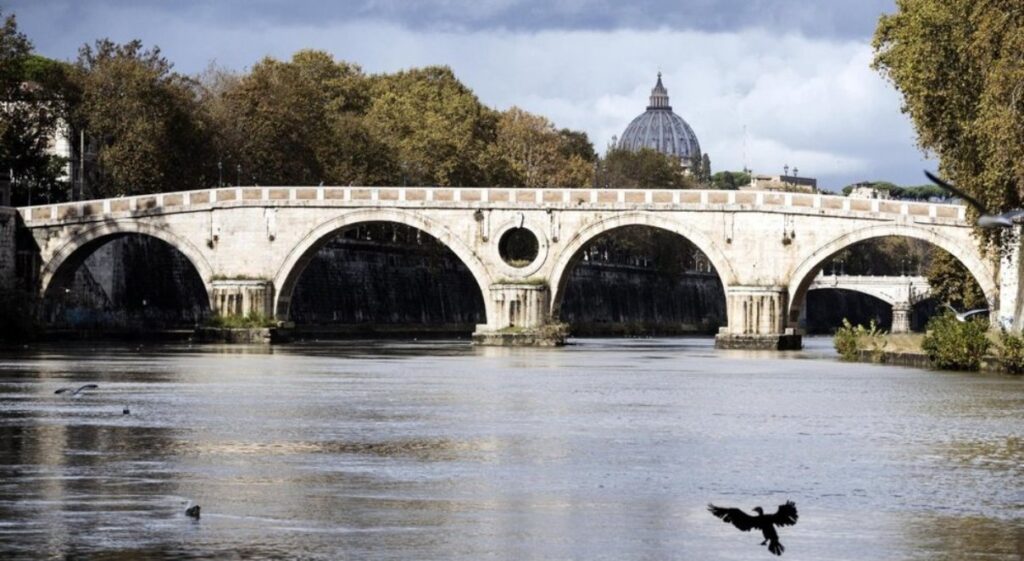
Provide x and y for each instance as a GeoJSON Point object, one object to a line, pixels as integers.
{"type": "Point", "coordinates": [1011, 352]}
{"type": "Point", "coordinates": [244, 322]}
{"type": "Point", "coordinates": [952, 344]}
{"type": "Point", "coordinates": [850, 339]}
{"type": "Point", "coordinates": [845, 341]}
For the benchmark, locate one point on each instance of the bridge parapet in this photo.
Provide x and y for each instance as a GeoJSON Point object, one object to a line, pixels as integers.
{"type": "Point", "coordinates": [490, 197]}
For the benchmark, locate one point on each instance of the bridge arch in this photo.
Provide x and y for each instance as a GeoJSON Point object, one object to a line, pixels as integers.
{"type": "Point", "coordinates": [299, 257]}
{"type": "Point", "coordinates": [78, 248]}
{"type": "Point", "coordinates": [571, 254]}
{"type": "Point", "coordinates": [971, 258]}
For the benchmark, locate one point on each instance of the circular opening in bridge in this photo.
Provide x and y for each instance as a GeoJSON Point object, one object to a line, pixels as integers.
{"type": "Point", "coordinates": [518, 247]}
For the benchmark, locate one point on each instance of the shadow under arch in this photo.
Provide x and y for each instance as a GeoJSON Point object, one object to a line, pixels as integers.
{"type": "Point", "coordinates": [73, 253]}
{"type": "Point", "coordinates": [835, 304]}
{"type": "Point", "coordinates": [291, 269]}
{"type": "Point", "coordinates": [571, 254]}
{"type": "Point", "coordinates": [804, 274]}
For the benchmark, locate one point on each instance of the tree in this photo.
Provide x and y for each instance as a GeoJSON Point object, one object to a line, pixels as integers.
{"type": "Point", "coordinates": [730, 179]}
{"type": "Point", "coordinates": [433, 125]}
{"type": "Point", "coordinates": [705, 169]}
{"type": "Point", "coordinates": [952, 284]}
{"type": "Point", "coordinates": [960, 67]}
{"type": "Point", "coordinates": [144, 118]}
{"type": "Point", "coordinates": [528, 151]}
{"type": "Point", "coordinates": [32, 109]}
{"type": "Point", "coordinates": [644, 168]}
{"type": "Point", "coordinates": [296, 122]}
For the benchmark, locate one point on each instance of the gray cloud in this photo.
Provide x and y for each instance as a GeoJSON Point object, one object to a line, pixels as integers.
{"type": "Point", "coordinates": [756, 95]}
{"type": "Point", "coordinates": [854, 18]}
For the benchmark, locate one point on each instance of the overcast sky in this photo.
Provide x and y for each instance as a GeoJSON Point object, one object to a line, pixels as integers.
{"type": "Point", "coordinates": [764, 83]}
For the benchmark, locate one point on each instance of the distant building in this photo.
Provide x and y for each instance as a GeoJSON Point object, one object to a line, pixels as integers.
{"type": "Point", "coordinates": [761, 182]}
{"type": "Point", "coordinates": [867, 190]}
{"type": "Point", "coordinates": [662, 130]}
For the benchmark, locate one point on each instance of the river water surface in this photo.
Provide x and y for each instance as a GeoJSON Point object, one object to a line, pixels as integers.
{"type": "Point", "coordinates": [607, 449]}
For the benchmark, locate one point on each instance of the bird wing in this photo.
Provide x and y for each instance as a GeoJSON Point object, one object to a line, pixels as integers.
{"type": "Point", "coordinates": [972, 312]}
{"type": "Point", "coordinates": [785, 516]}
{"type": "Point", "coordinates": [734, 516]}
{"type": "Point", "coordinates": [970, 200]}
{"type": "Point", "coordinates": [62, 390]}
{"type": "Point", "coordinates": [86, 387]}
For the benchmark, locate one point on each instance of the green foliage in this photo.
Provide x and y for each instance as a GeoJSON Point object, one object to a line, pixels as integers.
{"type": "Point", "coordinates": [434, 126]}
{"type": "Point", "coordinates": [528, 151]}
{"type": "Point", "coordinates": [644, 168]}
{"type": "Point", "coordinates": [32, 89]}
{"type": "Point", "coordinates": [890, 255]}
{"type": "Point", "coordinates": [234, 321]}
{"type": "Point", "coordinates": [730, 179]}
{"type": "Point", "coordinates": [952, 283]}
{"type": "Point", "coordinates": [850, 339]}
{"type": "Point", "coordinates": [144, 119]}
{"type": "Point", "coordinates": [958, 65]}
{"type": "Point", "coordinates": [955, 345]}
{"type": "Point", "coordinates": [1011, 352]}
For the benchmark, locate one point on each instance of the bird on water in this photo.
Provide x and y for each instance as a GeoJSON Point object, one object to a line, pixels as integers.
{"type": "Point", "coordinates": [73, 391]}
{"type": "Point", "coordinates": [785, 516]}
{"type": "Point", "coordinates": [985, 219]}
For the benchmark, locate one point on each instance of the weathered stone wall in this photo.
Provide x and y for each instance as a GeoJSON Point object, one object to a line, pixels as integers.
{"type": "Point", "coordinates": [364, 283]}
{"type": "Point", "coordinates": [603, 299]}
{"type": "Point", "coordinates": [7, 248]}
{"type": "Point", "coordinates": [130, 282]}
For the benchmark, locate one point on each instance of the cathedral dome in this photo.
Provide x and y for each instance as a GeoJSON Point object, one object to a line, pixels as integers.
{"type": "Point", "coordinates": [661, 129]}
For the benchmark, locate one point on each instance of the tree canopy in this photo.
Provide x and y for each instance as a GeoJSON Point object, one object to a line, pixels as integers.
{"type": "Point", "coordinates": [960, 67]}
{"type": "Point", "coordinates": [31, 110]}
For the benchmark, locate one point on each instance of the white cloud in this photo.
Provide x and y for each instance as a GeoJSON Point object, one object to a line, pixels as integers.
{"type": "Point", "coordinates": [807, 102]}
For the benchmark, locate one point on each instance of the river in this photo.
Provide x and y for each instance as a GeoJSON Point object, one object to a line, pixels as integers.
{"type": "Point", "coordinates": [605, 449]}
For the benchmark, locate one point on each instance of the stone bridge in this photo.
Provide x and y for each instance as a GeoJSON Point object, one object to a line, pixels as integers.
{"type": "Point", "coordinates": [900, 292]}
{"type": "Point", "coordinates": [249, 245]}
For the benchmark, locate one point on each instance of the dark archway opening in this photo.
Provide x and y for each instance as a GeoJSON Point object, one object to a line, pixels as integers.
{"type": "Point", "coordinates": [126, 284]}
{"type": "Point", "coordinates": [827, 307]}
{"type": "Point", "coordinates": [385, 279]}
{"type": "Point", "coordinates": [896, 258]}
{"type": "Point", "coordinates": [640, 280]}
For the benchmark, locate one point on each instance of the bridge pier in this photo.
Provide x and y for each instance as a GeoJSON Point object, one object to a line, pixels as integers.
{"type": "Point", "coordinates": [1008, 314]}
{"type": "Point", "coordinates": [757, 317]}
{"type": "Point", "coordinates": [242, 297]}
{"type": "Point", "coordinates": [902, 313]}
{"type": "Point", "coordinates": [521, 317]}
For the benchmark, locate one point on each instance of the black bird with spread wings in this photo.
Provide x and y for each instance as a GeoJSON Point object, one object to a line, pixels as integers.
{"type": "Point", "coordinates": [73, 391]}
{"type": "Point", "coordinates": [785, 516]}
{"type": "Point", "coordinates": [985, 218]}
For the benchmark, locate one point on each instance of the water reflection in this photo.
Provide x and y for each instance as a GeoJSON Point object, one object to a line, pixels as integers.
{"type": "Point", "coordinates": [607, 449]}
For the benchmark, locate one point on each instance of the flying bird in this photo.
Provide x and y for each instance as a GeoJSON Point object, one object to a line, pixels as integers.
{"type": "Point", "coordinates": [785, 516]}
{"type": "Point", "coordinates": [986, 219]}
{"type": "Point", "coordinates": [77, 391]}
{"type": "Point", "coordinates": [962, 316]}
